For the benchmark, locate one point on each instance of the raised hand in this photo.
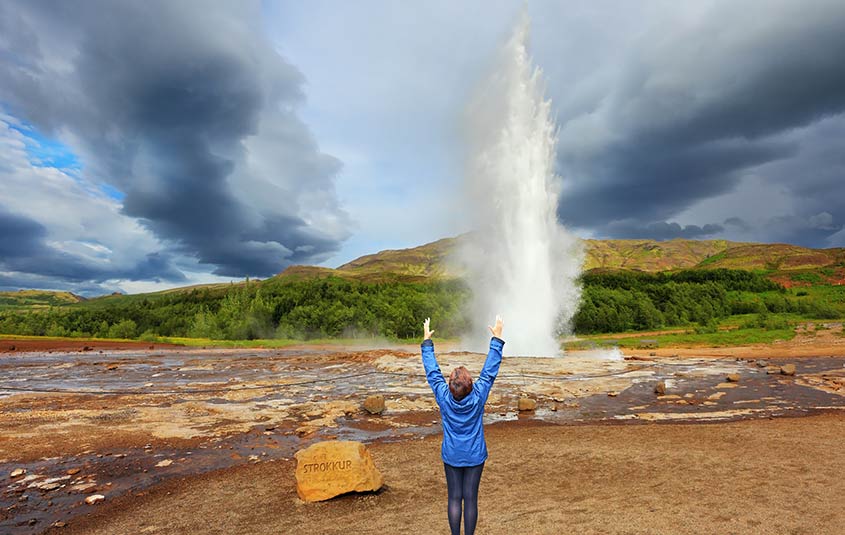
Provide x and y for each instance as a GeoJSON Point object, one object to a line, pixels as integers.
{"type": "Point", "coordinates": [426, 332]}
{"type": "Point", "coordinates": [497, 330]}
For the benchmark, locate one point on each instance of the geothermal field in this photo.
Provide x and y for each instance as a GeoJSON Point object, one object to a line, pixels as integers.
{"type": "Point", "coordinates": [141, 424]}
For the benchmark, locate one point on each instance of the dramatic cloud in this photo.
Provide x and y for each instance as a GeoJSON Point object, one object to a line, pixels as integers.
{"type": "Point", "coordinates": [696, 104]}
{"type": "Point", "coordinates": [187, 110]}
{"type": "Point", "coordinates": [57, 233]}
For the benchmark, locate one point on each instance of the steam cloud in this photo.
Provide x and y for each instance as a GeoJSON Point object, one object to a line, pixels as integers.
{"type": "Point", "coordinates": [521, 262]}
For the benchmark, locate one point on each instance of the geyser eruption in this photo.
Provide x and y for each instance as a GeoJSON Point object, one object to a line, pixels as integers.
{"type": "Point", "coordinates": [520, 261]}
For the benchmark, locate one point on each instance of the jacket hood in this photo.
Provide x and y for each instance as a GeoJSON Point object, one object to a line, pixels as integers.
{"type": "Point", "coordinates": [465, 405]}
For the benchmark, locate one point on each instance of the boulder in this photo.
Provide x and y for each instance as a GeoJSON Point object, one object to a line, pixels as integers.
{"type": "Point", "coordinates": [18, 472]}
{"type": "Point", "coordinates": [374, 404]}
{"type": "Point", "coordinates": [660, 388]}
{"type": "Point", "coordinates": [733, 377]}
{"type": "Point", "coordinates": [331, 468]}
{"type": "Point", "coordinates": [787, 369]}
{"type": "Point", "coordinates": [526, 404]}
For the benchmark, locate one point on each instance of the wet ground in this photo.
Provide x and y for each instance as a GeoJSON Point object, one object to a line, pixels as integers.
{"type": "Point", "coordinates": [82, 423]}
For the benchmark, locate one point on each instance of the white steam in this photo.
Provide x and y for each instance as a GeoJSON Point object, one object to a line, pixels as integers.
{"type": "Point", "coordinates": [521, 263]}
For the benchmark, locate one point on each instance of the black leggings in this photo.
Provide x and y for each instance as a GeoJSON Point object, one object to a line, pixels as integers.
{"type": "Point", "coordinates": [462, 484]}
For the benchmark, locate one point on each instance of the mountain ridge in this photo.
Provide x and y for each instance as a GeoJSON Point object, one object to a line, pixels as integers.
{"type": "Point", "coordinates": [433, 260]}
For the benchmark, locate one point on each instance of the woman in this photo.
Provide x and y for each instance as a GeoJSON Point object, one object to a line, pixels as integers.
{"type": "Point", "coordinates": [462, 409]}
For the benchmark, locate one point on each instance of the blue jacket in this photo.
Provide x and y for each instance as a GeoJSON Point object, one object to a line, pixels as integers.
{"type": "Point", "coordinates": [463, 429]}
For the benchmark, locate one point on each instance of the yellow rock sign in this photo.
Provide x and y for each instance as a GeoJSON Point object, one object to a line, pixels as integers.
{"type": "Point", "coordinates": [328, 469]}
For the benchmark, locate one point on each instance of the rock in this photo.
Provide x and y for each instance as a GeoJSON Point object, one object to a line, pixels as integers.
{"type": "Point", "coordinates": [73, 471]}
{"type": "Point", "coordinates": [82, 487]}
{"type": "Point", "coordinates": [733, 377]}
{"type": "Point", "coordinates": [162, 464]}
{"type": "Point", "coordinates": [787, 369]}
{"type": "Point", "coordinates": [660, 388]}
{"type": "Point", "coordinates": [50, 484]}
{"type": "Point", "coordinates": [94, 498]}
{"type": "Point", "coordinates": [18, 472]}
{"type": "Point", "coordinates": [374, 404]}
{"type": "Point", "coordinates": [762, 363]}
{"type": "Point", "coordinates": [331, 468]}
{"type": "Point", "coordinates": [58, 524]}
{"type": "Point", "coordinates": [526, 404]}
{"type": "Point", "coordinates": [612, 394]}
{"type": "Point", "coordinates": [772, 370]}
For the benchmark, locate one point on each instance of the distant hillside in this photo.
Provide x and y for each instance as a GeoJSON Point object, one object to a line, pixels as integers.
{"type": "Point", "coordinates": [429, 261]}
{"type": "Point", "coordinates": [37, 299]}
{"type": "Point", "coordinates": [432, 260]}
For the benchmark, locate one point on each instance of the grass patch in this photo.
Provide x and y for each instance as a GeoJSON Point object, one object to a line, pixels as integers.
{"type": "Point", "coordinates": [721, 338]}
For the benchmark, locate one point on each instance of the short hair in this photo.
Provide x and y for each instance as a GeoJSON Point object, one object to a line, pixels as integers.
{"type": "Point", "coordinates": [460, 383]}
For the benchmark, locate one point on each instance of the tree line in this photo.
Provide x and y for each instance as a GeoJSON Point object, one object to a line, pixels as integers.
{"type": "Point", "coordinates": [340, 308]}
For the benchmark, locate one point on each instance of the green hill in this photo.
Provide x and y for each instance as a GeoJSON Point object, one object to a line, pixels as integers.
{"type": "Point", "coordinates": [431, 261]}
{"type": "Point", "coordinates": [37, 299]}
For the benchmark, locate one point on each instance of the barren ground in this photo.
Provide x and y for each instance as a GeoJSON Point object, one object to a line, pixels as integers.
{"type": "Point", "coordinates": [767, 476]}
{"type": "Point", "coordinates": [184, 440]}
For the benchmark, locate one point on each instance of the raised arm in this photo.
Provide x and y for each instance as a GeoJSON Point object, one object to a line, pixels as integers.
{"type": "Point", "coordinates": [432, 370]}
{"type": "Point", "coordinates": [493, 361]}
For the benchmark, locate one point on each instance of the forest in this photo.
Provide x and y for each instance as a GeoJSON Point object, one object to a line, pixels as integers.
{"type": "Point", "coordinates": [335, 307]}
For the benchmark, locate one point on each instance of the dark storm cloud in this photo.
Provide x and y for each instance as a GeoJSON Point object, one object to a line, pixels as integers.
{"type": "Point", "coordinates": [24, 250]}
{"type": "Point", "coordinates": [188, 110]}
{"type": "Point", "coordinates": [661, 230]}
{"type": "Point", "coordinates": [695, 107]}
{"type": "Point", "coordinates": [737, 222]}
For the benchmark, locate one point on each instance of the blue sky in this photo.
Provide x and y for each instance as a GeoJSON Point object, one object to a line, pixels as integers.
{"type": "Point", "coordinates": [241, 139]}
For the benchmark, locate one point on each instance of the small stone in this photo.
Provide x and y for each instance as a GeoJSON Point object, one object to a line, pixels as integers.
{"type": "Point", "coordinates": [58, 524]}
{"type": "Point", "coordinates": [94, 499]}
{"type": "Point", "coordinates": [162, 464]}
{"type": "Point", "coordinates": [660, 388]}
{"type": "Point", "coordinates": [733, 377]}
{"type": "Point", "coordinates": [331, 468]}
{"type": "Point", "coordinates": [526, 404]}
{"type": "Point", "coordinates": [772, 370]}
{"type": "Point", "coordinates": [374, 404]}
{"type": "Point", "coordinates": [612, 394]}
{"type": "Point", "coordinates": [82, 487]}
{"type": "Point", "coordinates": [554, 407]}
{"type": "Point", "coordinates": [18, 472]}
{"type": "Point", "coordinates": [762, 363]}
{"type": "Point", "coordinates": [33, 521]}
{"type": "Point", "coordinates": [73, 471]}
{"type": "Point", "coordinates": [787, 369]}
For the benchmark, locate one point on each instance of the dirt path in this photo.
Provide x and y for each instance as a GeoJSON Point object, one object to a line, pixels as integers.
{"type": "Point", "coordinates": [765, 476]}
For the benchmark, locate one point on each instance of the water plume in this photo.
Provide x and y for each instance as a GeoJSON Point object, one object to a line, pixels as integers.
{"type": "Point", "coordinates": [521, 263]}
